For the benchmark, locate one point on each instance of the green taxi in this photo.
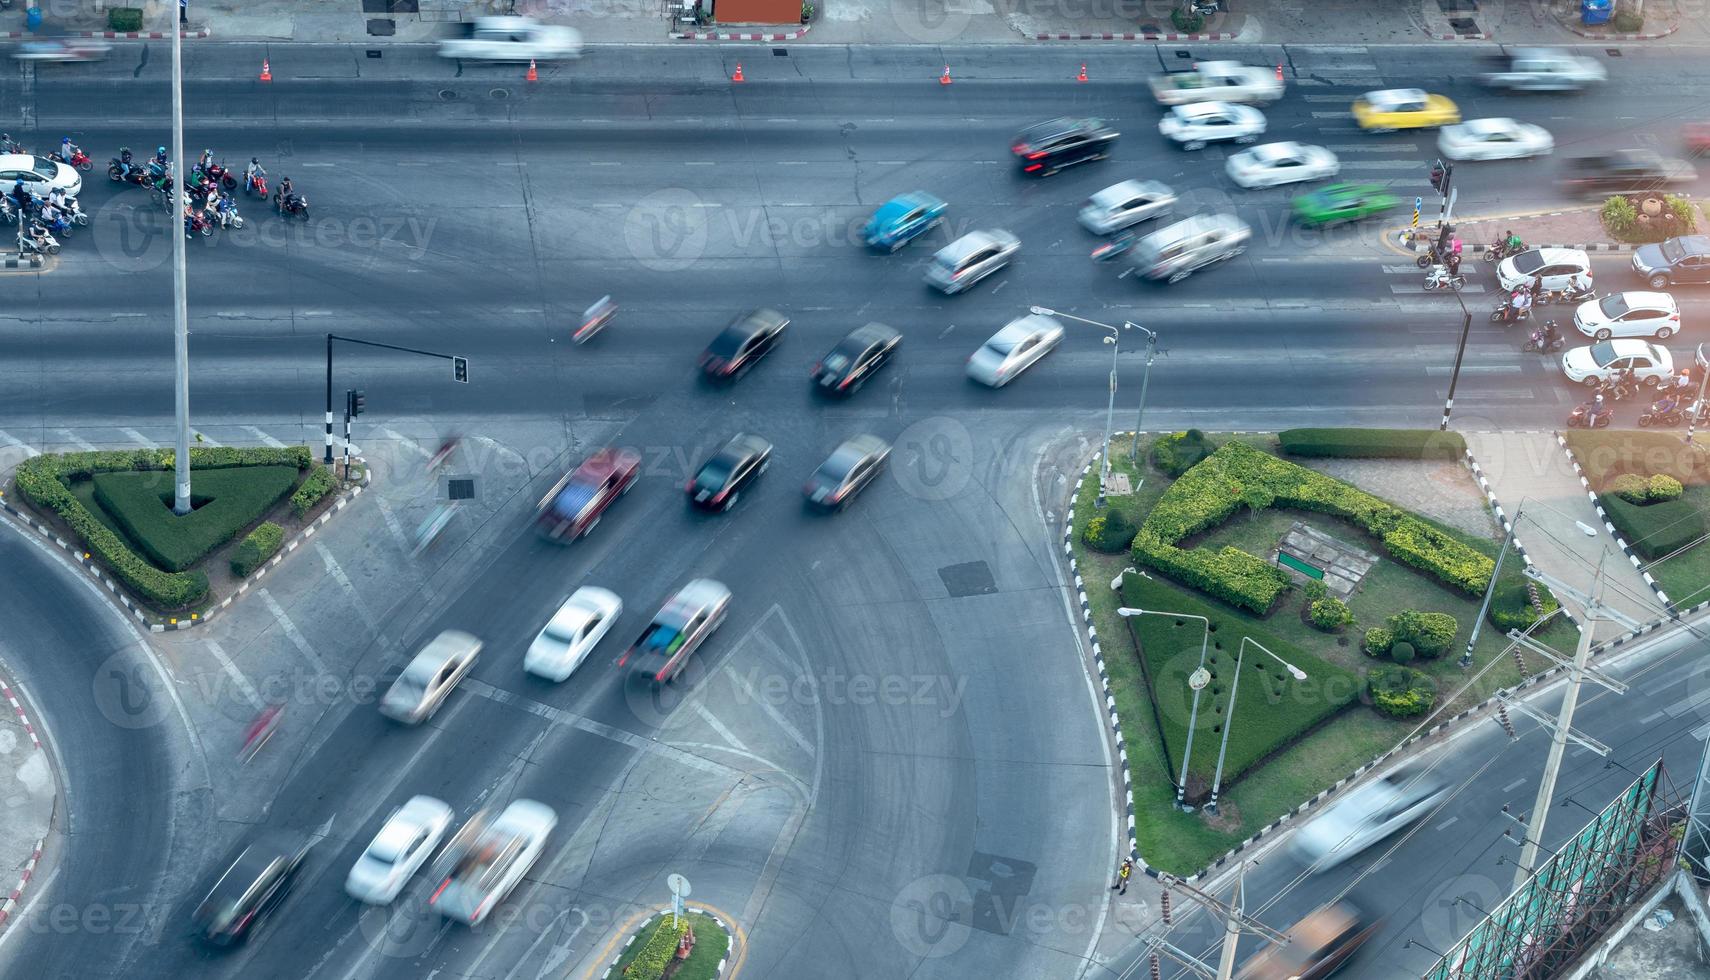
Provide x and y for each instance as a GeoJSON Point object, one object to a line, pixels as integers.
{"type": "Point", "coordinates": [1342, 202]}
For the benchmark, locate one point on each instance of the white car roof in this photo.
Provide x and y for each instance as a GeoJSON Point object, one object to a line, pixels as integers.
{"type": "Point", "coordinates": [1640, 299]}
{"type": "Point", "coordinates": [26, 161]}
{"type": "Point", "coordinates": [1277, 151]}
{"type": "Point", "coordinates": [1022, 327]}
{"type": "Point", "coordinates": [525, 817]}
{"type": "Point", "coordinates": [1483, 126]}
{"type": "Point", "coordinates": [1194, 112]}
{"type": "Point", "coordinates": [1120, 193]}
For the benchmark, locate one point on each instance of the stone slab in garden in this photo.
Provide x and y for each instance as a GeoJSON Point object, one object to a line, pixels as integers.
{"type": "Point", "coordinates": [1341, 566]}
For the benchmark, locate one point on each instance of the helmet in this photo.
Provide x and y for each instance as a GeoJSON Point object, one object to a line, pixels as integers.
{"type": "Point", "coordinates": [207, 152]}
{"type": "Point", "coordinates": [254, 160]}
{"type": "Point", "coordinates": [160, 150]}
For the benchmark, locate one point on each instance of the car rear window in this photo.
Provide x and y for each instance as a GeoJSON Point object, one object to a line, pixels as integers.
{"type": "Point", "coordinates": [1614, 306]}
{"type": "Point", "coordinates": [729, 341]}
{"type": "Point", "coordinates": [1001, 346]}
{"type": "Point", "coordinates": [836, 362]}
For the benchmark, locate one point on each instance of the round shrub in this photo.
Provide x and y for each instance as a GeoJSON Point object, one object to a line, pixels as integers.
{"type": "Point", "coordinates": [1092, 531]}
{"type": "Point", "coordinates": [1430, 633]}
{"type": "Point", "coordinates": [256, 547]}
{"type": "Point", "coordinates": [1401, 652]}
{"type": "Point", "coordinates": [1329, 613]}
{"type": "Point", "coordinates": [1628, 22]}
{"type": "Point", "coordinates": [1316, 590]}
{"type": "Point", "coordinates": [1178, 452]}
{"type": "Point", "coordinates": [1662, 487]}
{"type": "Point", "coordinates": [1401, 692]}
{"type": "Point", "coordinates": [1110, 532]}
{"type": "Point", "coordinates": [1379, 640]}
{"type": "Point", "coordinates": [1630, 487]}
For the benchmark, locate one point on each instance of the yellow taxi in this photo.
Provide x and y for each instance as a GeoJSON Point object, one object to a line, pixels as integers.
{"type": "Point", "coordinates": [1404, 108]}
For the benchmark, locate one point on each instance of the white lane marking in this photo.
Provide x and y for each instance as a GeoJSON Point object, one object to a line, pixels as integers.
{"type": "Point", "coordinates": [291, 632]}
{"type": "Point", "coordinates": [1438, 372]}
{"type": "Point", "coordinates": [718, 726]}
{"type": "Point", "coordinates": [777, 716]}
{"type": "Point", "coordinates": [77, 440]}
{"type": "Point", "coordinates": [204, 438]}
{"type": "Point", "coordinates": [1344, 114]}
{"type": "Point", "coordinates": [699, 163]}
{"type": "Point", "coordinates": [140, 439]}
{"type": "Point", "coordinates": [1379, 164]}
{"type": "Point", "coordinates": [249, 692]}
{"type": "Point", "coordinates": [1445, 824]}
{"type": "Point", "coordinates": [392, 522]}
{"type": "Point", "coordinates": [266, 439]}
{"type": "Point", "coordinates": [343, 580]}
{"type": "Point", "coordinates": [6, 437]}
{"type": "Point", "coordinates": [407, 442]}
{"type": "Point", "coordinates": [1511, 787]}
{"type": "Point", "coordinates": [1469, 289]}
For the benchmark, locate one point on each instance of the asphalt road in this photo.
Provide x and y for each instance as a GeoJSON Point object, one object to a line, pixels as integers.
{"type": "Point", "coordinates": [458, 210]}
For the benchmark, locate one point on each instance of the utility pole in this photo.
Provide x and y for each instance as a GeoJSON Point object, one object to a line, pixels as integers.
{"type": "Point", "coordinates": [1693, 410]}
{"type": "Point", "coordinates": [1236, 923]}
{"type": "Point", "coordinates": [1145, 380]}
{"type": "Point", "coordinates": [180, 297]}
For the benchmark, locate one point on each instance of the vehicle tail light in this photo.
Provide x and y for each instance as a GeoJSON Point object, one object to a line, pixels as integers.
{"type": "Point", "coordinates": [816, 369]}
{"type": "Point", "coordinates": [845, 382]}
{"type": "Point", "coordinates": [478, 908]}
{"type": "Point", "coordinates": [689, 487]}
{"type": "Point", "coordinates": [660, 677]}
{"type": "Point", "coordinates": [1033, 167]}
{"type": "Point", "coordinates": [1037, 155]}
{"type": "Point", "coordinates": [1021, 148]}
{"type": "Point", "coordinates": [719, 496]}
{"type": "Point", "coordinates": [439, 891]}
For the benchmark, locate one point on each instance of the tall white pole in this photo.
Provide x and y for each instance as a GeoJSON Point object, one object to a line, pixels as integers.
{"type": "Point", "coordinates": [1109, 417]}
{"type": "Point", "coordinates": [180, 299]}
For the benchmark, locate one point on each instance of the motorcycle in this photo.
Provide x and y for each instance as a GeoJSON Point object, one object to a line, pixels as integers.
{"type": "Point", "coordinates": [1507, 314]}
{"type": "Point", "coordinates": [1439, 278]}
{"type": "Point", "coordinates": [595, 319]}
{"type": "Point", "coordinates": [197, 222]}
{"type": "Point", "coordinates": [1583, 417]}
{"type": "Point", "coordinates": [1614, 391]}
{"type": "Point", "coordinates": [1664, 411]}
{"type": "Point", "coordinates": [228, 217]}
{"type": "Point", "coordinates": [1544, 341]}
{"type": "Point", "coordinates": [49, 245]}
{"type": "Point", "coordinates": [116, 173]}
{"type": "Point", "coordinates": [10, 145]}
{"type": "Point", "coordinates": [219, 174]}
{"type": "Point", "coordinates": [1558, 297]}
{"type": "Point", "coordinates": [256, 185]}
{"type": "Point", "coordinates": [295, 204]}
{"type": "Point", "coordinates": [1498, 250]}
{"type": "Point", "coordinates": [79, 159]}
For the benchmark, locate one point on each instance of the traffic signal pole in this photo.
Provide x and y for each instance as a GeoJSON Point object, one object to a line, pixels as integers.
{"type": "Point", "coordinates": [459, 374]}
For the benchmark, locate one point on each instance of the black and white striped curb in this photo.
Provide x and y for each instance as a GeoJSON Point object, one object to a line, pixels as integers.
{"type": "Point", "coordinates": [1502, 518]}
{"type": "Point", "coordinates": [148, 618]}
{"type": "Point", "coordinates": [729, 933]}
{"type": "Point", "coordinates": [22, 262]}
{"type": "Point", "coordinates": [1420, 242]}
{"type": "Point", "coordinates": [1608, 525]}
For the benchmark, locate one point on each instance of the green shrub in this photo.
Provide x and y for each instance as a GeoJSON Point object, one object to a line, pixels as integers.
{"type": "Point", "coordinates": [1179, 452]}
{"type": "Point", "coordinates": [1430, 633]}
{"type": "Point", "coordinates": [1186, 21]}
{"type": "Point", "coordinates": [660, 949]}
{"type": "Point", "coordinates": [1374, 443]}
{"type": "Point", "coordinates": [1329, 614]}
{"type": "Point", "coordinates": [256, 547]}
{"type": "Point", "coordinates": [1401, 652]}
{"type": "Point", "coordinates": [1401, 692]}
{"type": "Point", "coordinates": [1661, 488]}
{"type": "Point", "coordinates": [1111, 532]}
{"type": "Point", "coordinates": [1316, 590]}
{"type": "Point", "coordinates": [1628, 22]}
{"type": "Point", "coordinates": [124, 19]}
{"type": "Point", "coordinates": [1378, 641]}
{"type": "Point", "coordinates": [1655, 530]}
{"type": "Point", "coordinates": [1230, 574]}
{"type": "Point", "coordinates": [1630, 487]}
{"type": "Point", "coordinates": [1621, 219]}
{"type": "Point", "coordinates": [225, 501]}
{"type": "Point", "coordinates": [1511, 607]}
{"type": "Point", "coordinates": [316, 485]}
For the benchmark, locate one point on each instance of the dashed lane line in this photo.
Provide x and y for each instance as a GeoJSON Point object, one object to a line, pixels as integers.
{"type": "Point", "coordinates": [292, 633]}
{"type": "Point", "coordinates": [249, 692]}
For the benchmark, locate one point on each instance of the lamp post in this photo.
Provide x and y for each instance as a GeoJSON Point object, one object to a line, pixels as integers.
{"type": "Point", "coordinates": [1229, 720]}
{"type": "Point", "coordinates": [1110, 408]}
{"type": "Point", "coordinates": [1193, 715]}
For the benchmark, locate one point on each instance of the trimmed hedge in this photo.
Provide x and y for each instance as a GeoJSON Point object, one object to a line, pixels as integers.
{"type": "Point", "coordinates": [316, 485]}
{"type": "Point", "coordinates": [1511, 607]}
{"type": "Point", "coordinates": [1111, 532]}
{"type": "Point", "coordinates": [1655, 530]}
{"type": "Point", "coordinates": [225, 502]}
{"type": "Point", "coordinates": [661, 948]}
{"type": "Point", "coordinates": [43, 481]}
{"type": "Point", "coordinates": [256, 547]}
{"type": "Point", "coordinates": [1636, 489]}
{"type": "Point", "coordinates": [125, 20]}
{"type": "Point", "coordinates": [1329, 614]}
{"type": "Point", "coordinates": [1230, 574]}
{"type": "Point", "coordinates": [1374, 443]}
{"type": "Point", "coordinates": [1179, 452]}
{"type": "Point", "coordinates": [1378, 641]}
{"type": "Point", "coordinates": [1430, 633]}
{"type": "Point", "coordinates": [1401, 692]}
{"type": "Point", "coordinates": [1402, 652]}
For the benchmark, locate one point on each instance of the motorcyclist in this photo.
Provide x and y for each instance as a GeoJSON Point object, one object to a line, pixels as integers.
{"type": "Point", "coordinates": [1454, 261]}
{"type": "Point", "coordinates": [1552, 336]}
{"type": "Point", "coordinates": [53, 218]}
{"type": "Point", "coordinates": [251, 172]}
{"type": "Point", "coordinates": [1513, 243]}
{"type": "Point", "coordinates": [38, 235]}
{"type": "Point", "coordinates": [205, 161]}
{"type": "Point", "coordinates": [67, 149]}
{"type": "Point", "coordinates": [225, 207]}
{"type": "Point", "coordinates": [1665, 405]}
{"type": "Point", "coordinates": [125, 166]}
{"type": "Point", "coordinates": [1519, 304]}
{"type": "Point", "coordinates": [1576, 287]}
{"type": "Point", "coordinates": [1598, 408]}
{"type": "Point", "coordinates": [21, 196]}
{"type": "Point", "coordinates": [1537, 287]}
{"type": "Point", "coordinates": [159, 167]}
{"type": "Point", "coordinates": [286, 191]}
{"type": "Point", "coordinates": [160, 156]}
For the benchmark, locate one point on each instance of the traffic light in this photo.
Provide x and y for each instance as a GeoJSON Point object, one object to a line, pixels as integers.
{"type": "Point", "coordinates": [1440, 176]}
{"type": "Point", "coordinates": [460, 370]}
{"type": "Point", "coordinates": [357, 401]}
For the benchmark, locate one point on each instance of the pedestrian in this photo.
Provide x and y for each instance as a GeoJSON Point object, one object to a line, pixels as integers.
{"type": "Point", "coordinates": [1122, 873]}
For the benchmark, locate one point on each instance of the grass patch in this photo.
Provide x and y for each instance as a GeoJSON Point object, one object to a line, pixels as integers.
{"type": "Point", "coordinates": [225, 502]}
{"type": "Point", "coordinates": [711, 943]}
{"type": "Point", "coordinates": [1656, 531]}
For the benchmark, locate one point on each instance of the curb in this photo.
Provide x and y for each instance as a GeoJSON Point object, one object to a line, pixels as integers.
{"type": "Point", "coordinates": [11, 900]}
{"type": "Point", "coordinates": [142, 615]}
{"type": "Point", "coordinates": [116, 35]}
{"type": "Point", "coordinates": [729, 931]}
{"type": "Point", "coordinates": [1609, 526]}
{"type": "Point", "coordinates": [1459, 37]}
{"type": "Point", "coordinates": [1134, 36]}
{"type": "Point", "coordinates": [729, 36]}
{"type": "Point", "coordinates": [23, 262]}
{"type": "Point", "coordinates": [1410, 241]}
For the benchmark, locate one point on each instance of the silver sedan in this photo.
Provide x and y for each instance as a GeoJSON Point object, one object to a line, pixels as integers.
{"type": "Point", "coordinates": [1014, 349]}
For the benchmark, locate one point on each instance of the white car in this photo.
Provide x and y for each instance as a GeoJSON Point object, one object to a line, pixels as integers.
{"type": "Point", "coordinates": [1219, 81]}
{"type": "Point", "coordinates": [1193, 126]}
{"type": "Point", "coordinates": [1128, 203]}
{"type": "Point", "coordinates": [574, 630]}
{"type": "Point", "coordinates": [489, 856]}
{"type": "Point", "coordinates": [1365, 816]}
{"type": "Point", "coordinates": [1651, 364]}
{"type": "Point", "coordinates": [39, 174]}
{"type": "Point", "coordinates": [402, 846]}
{"type": "Point", "coordinates": [513, 39]}
{"type": "Point", "coordinates": [1494, 139]}
{"type": "Point", "coordinates": [1275, 164]}
{"type": "Point", "coordinates": [1014, 349]}
{"type": "Point", "coordinates": [1557, 266]}
{"type": "Point", "coordinates": [965, 261]}
{"type": "Point", "coordinates": [1545, 69]}
{"type": "Point", "coordinates": [1630, 314]}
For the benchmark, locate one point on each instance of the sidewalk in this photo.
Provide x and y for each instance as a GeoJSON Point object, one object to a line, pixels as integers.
{"type": "Point", "coordinates": [1530, 475]}
{"type": "Point", "coordinates": [27, 802]}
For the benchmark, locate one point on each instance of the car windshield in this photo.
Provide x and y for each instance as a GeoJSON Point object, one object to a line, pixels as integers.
{"type": "Point", "coordinates": [1001, 346]}
{"type": "Point", "coordinates": [1614, 307]}
{"type": "Point", "coordinates": [573, 498]}
{"type": "Point", "coordinates": [45, 167]}
{"type": "Point", "coordinates": [835, 469]}
{"type": "Point", "coordinates": [836, 361]}
{"type": "Point", "coordinates": [713, 475]}
{"type": "Point", "coordinates": [1672, 251]}
{"type": "Point", "coordinates": [1527, 263]}
{"type": "Point", "coordinates": [1603, 353]}
{"type": "Point", "coordinates": [728, 341]}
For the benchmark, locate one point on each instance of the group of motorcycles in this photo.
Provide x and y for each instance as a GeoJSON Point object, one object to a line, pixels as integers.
{"type": "Point", "coordinates": [211, 204]}
{"type": "Point", "coordinates": [1443, 270]}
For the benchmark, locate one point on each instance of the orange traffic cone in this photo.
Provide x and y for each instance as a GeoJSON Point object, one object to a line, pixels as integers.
{"type": "Point", "coordinates": [1083, 75]}
{"type": "Point", "coordinates": [1279, 71]}
{"type": "Point", "coordinates": [266, 72]}
{"type": "Point", "coordinates": [738, 76]}
{"type": "Point", "coordinates": [944, 79]}
{"type": "Point", "coordinates": [533, 73]}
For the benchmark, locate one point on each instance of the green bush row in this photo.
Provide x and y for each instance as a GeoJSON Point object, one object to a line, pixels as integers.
{"type": "Point", "coordinates": [316, 485]}
{"type": "Point", "coordinates": [1179, 452]}
{"type": "Point", "coordinates": [256, 547]}
{"type": "Point", "coordinates": [1401, 692]}
{"type": "Point", "coordinates": [225, 500]}
{"type": "Point", "coordinates": [1655, 489]}
{"type": "Point", "coordinates": [1374, 443]}
{"type": "Point", "coordinates": [661, 948]}
{"type": "Point", "coordinates": [1231, 574]}
{"type": "Point", "coordinates": [1655, 530]}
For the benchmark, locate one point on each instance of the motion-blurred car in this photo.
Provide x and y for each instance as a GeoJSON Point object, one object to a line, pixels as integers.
{"type": "Point", "coordinates": [1218, 81]}
{"type": "Point", "coordinates": [1275, 164]}
{"type": "Point", "coordinates": [404, 843]}
{"type": "Point", "coordinates": [851, 466]}
{"type": "Point", "coordinates": [1684, 260]}
{"type": "Point", "coordinates": [251, 887]}
{"type": "Point", "coordinates": [663, 649]}
{"type": "Point", "coordinates": [1404, 108]}
{"type": "Point", "coordinates": [902, 219]}
{"type": "Point", "coordinates": [720, 480]}
{"type": "Point", "coordinates": [1650, 364]}
{"type": "Point", "coordinates": [1367, 815]}
{"type": "Point", "coordinates": [1343, 202]}
{"type": "Point", "coordinates": [855, 359]}
{"type": "Point", "coordinates": [513, 39]}
{"type": "Point", "coordinates": [1045, 148]}
{"type": "Point", "coordinates": [63, 49]}
{"type": "Point", "coordinates": [489, 856]}
{"type": "Point", "coordinates": [962, 263]}
{"type": "Point", "coordinates": [1543, 70]}
{"type": "Point", "coordinates": [1014, 349]}
{"type": "Point", "coordinates": [575, 503]}
{"type": "Point", "coordinates": [1191, 127]}
{"type": "Point", "coordinates": [1494, 139]}
{"type": "Point", "coordinates": [1629, 314]}
{"type": "Point", "coordinates": [1696, 136]}
{"type": "Point", "coordinates": [1558, 267]}
{"type": "Point", "coordinates": [1177, 251]}
{"type": "Point", "coordinates": [428, 678]}
{"type": "Point", "coordinates": [1625, 171]}
{"type": "Point", "coordinates": [1128, 203]}
{"type": "Point", "coordinates": [1318, 945]}
{"type": "Point", "coordinates": [741, 344]}
{"type": "Point", "coordinates": [572, 633]}
{"type": "Point", "coordinates": [38, 174]}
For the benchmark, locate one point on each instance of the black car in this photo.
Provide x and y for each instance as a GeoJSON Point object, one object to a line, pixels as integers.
{"type": "Point", "coordinates": [850, 467]}
{"type": "Point", "coordinates": [1048, 147]}
{"type": "Point", "coordinates": [744, 342]}
{"type": "Point", "coordinates": [856, 358]}
{"type": "Point", "coordinates": [721, 479]}
{"type": "Point", "coordinates": [255, 883]}
{"type": "Point", "coordinates": [1625, 171]}
{"type": "Point", "coordinates": [1674, 260]}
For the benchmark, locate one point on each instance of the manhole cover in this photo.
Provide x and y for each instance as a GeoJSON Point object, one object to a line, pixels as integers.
{"type": "Point", "coordinates": [1612, 52]}
{"type": "Point", "coordinates": [460, 488]}
{"type": "Point", "coordinates": [968, 578]}
{"type": "Point", "coordinates": [1463, 25]}
{"type": "Point", "coordinates": [382, 27]}
{"type": "Point", "coordinates": [1199, 679]}
{"type": "Point", "coordinates": [447, 95]}
{"type": "Point", "coordinates": [500, 93]}
{"type": "Point", "coordinates": [780, 53]}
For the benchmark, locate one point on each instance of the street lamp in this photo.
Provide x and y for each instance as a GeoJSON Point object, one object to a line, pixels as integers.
{"type": "Point", "coordinates": [1193, 716]}
{"type": "Point", "coordinates": [1229, 719]}
{"type": "Point", "coordinates": [1110, 409]}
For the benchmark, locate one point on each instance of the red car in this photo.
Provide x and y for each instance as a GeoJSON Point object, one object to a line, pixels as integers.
{"type": "Point", "coordinates": [574, 504]}
{"type": "Point", "coordinates": [1697, 137]}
